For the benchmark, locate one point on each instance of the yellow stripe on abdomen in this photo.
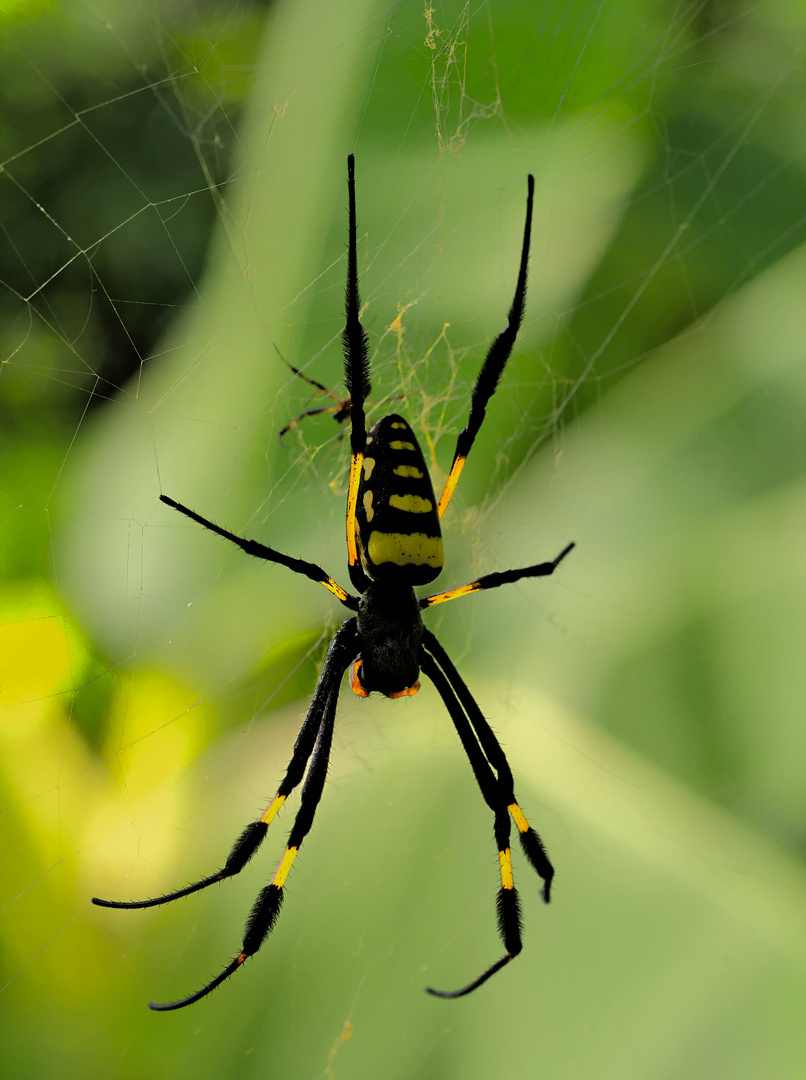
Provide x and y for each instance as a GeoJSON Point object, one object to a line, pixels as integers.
{"type": "Point", "coordinates": [412, 504]}
{"type": "Point", "coordinates": [403, 548]}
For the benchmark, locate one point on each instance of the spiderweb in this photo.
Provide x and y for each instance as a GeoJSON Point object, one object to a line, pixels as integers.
{"type": "Point", "coordinates": [173, 214]}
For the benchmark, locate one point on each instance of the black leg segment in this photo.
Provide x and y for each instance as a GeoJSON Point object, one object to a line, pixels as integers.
{"type": "Point", "coordinates": [494, 362]}
{"type": "Point", "coordinates": [508, 907]}
{"type": "Point", "coordinates": [313, 744]}
{"type": "Point", "coordinates": [531, 843]}
{"type": "Point", "coordinates": [260, 551]}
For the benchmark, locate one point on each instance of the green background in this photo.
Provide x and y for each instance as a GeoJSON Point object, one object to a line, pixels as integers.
{"type": "Point", "coordinates": [173, 209]}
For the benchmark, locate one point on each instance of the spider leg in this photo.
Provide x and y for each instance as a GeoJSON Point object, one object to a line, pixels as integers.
{"type": "Point", "coordinates": [494, 363]}
{"type": "Point", "coordinates": [244, 848]}
{"type": "Point", "coordinates": [492, 581]}
{"type": "Point", "coordinates": [307, 378]}
{"type": "Point", "coordinates": [340, 414]}
{"type": "Point", "coordinates": [356, 379]}
{"type": "Point", "coordinates": [340, 408]}
{"type": "Point", "coordinates": [260, 551]}
{"type": "Point", "coordinates": [531, 843]}
{"type": "Point", "coordinates": [253, 835]}
{"type": "Point", "coordinates": [266, 908]}
{"type": "Point", "coordinates": [508, 907]}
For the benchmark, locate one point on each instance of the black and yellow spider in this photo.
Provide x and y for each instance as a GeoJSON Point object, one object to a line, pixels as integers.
{"type": "Point", "coordinates": [393, 543]}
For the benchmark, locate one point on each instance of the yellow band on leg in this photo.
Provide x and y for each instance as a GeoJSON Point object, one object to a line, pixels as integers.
{"type": "Point", "coordinates": [518, 818]}
{"type": "Point", "coordinates": [284, 867]}
{"type": "Point", "coordinates": [450, 485]}
{"type": "Point", "coordinates": [335, 588]}
{"type": "Point", "coordinates": [352, 500]}
{"type": "Point", "coordinates": [452, 594]}
{"type": "Point", "coordinates": [273, 807]}
{"type": "Point", "coordinates": [505, 859]}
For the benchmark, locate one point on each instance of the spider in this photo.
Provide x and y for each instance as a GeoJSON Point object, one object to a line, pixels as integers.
{"type": "Point", "coordinates": [393, 544]}
{"type": "Point", "coordinates": [340, 407]}
{"type": "Point", "coordinates": [339, 410]}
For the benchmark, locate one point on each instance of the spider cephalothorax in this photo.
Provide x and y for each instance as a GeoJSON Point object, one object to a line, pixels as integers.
{"type": "Point", "coordinates": [390, 631]}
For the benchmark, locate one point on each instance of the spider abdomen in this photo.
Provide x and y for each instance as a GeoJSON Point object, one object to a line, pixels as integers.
{"type": "Point", "coordinates": [398, 531]}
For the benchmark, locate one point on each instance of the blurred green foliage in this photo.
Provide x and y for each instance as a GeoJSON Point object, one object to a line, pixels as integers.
{"type": "Point", "coordinates": [173, 206]}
